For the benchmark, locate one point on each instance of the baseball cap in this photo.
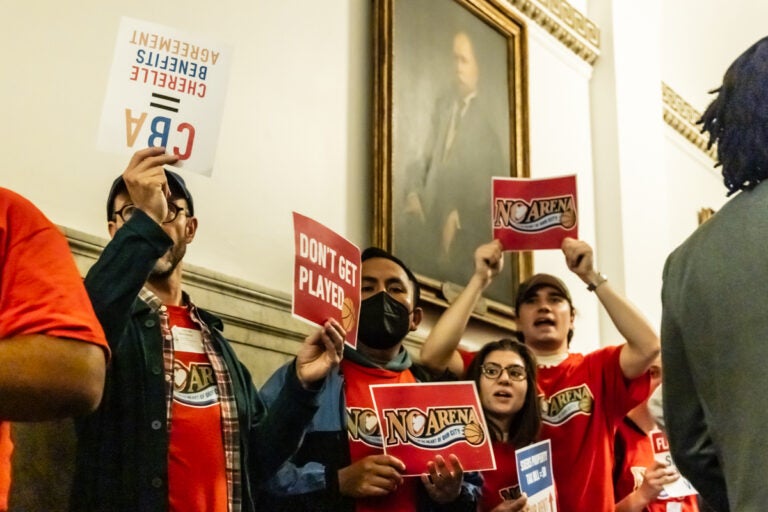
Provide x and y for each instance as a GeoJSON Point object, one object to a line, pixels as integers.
{"type": "Point", "coordinates": [175, 182]}
{"type": "Point", "coordinates": [376, 252]}
{"type": "Point", "coordinates": [536, 281]}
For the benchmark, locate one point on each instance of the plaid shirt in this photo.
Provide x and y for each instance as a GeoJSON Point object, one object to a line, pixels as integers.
{"type": "Point", "coordinates": [230, 427]}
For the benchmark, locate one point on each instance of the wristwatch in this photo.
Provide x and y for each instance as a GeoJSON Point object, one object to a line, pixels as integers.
{"type": "Point", "coordinates": [601, 278]}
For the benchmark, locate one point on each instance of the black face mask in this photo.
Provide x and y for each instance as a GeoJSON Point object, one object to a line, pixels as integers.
{"type": "Point", "coordinates": [384, 321]}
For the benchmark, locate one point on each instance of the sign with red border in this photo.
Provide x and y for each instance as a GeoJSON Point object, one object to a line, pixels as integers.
{"type": "Point", "coordinates": [423, 420]}
{"type": "Point", "coordinates": [326, 276]}
{"type": "Point", "coordinates": [533, 214]}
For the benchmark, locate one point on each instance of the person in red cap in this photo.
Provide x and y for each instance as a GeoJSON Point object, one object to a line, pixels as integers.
{"type": "Point", "coordinates": [583, 397]}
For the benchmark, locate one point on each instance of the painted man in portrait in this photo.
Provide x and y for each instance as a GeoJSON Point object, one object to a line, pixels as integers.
{"type": "Point", "coordinates": [444, 212]}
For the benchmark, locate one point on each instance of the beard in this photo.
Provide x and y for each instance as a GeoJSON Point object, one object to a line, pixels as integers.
{"type": "Point", "coordinates": [166, 265]}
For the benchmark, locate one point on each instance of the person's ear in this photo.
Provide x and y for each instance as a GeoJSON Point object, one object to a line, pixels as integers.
{"type": "Point", "coordinates": [112, 228]}
{"type": "Point", "coordinates": [190, 228]}
{"type": "Point", "coordinates": [416, 320]}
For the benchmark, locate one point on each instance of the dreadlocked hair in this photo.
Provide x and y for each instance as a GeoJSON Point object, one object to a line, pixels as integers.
{"type": "Point", "coordinates": [737, 120]}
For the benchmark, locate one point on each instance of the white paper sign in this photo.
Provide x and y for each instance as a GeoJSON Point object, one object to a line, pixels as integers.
{"type": "Point", "coordinates": [166, 88]}
{"type": "Point", "coordinates": [680, 487]}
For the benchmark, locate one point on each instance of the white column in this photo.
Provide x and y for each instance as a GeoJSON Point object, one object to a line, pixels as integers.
{"type": "Point", "coordinates": [627, 135]}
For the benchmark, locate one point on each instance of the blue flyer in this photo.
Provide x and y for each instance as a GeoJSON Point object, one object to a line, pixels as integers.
{"type": "Point", "coordinates": [534, 471]}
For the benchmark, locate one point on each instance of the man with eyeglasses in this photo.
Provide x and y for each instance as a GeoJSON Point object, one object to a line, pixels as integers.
{"type": "Point", "coordinates": [583, 397]}
{"type": "Point", "coordinates": [181, 426]}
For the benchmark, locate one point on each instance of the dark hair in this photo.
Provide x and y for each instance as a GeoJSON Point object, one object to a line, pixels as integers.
{"type": "Point", "coordinates": [526, 424]}
{"type": "Point", "coordinates": [737, 120]}
{"type": "Point", "coordinates": [376, 252]}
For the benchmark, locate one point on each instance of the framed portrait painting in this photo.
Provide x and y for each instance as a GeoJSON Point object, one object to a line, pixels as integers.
{"type": "Point", "coordinates": [450, 113]}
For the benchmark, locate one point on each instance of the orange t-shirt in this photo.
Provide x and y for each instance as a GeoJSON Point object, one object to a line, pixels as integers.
{"type": "Point", "coordinates": [364, 434]}
{"type": "Point", "coordinates": [197, 478]}
{"type": "Point", "coordinates": [41, 292]}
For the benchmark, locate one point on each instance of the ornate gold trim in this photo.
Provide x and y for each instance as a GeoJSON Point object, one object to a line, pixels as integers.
{"type": "Point", "coordinates": [569, 26]}
{"type": "Point", "coordinates": [507, 22]}
{"type": "Point", "coordinates": [680, 115]}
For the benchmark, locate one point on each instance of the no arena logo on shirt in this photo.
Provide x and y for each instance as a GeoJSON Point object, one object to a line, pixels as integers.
{"type": "Point", "coordinates": [566, 404]}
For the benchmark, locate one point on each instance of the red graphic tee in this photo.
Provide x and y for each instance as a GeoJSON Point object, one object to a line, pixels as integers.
{"type": "Point", "coordinates": [196, 468]}
{"type": "Point", "coordinates": [364, 433]}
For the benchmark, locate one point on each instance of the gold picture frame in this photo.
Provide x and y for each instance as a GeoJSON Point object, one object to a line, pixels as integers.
{"type": "Point", "coordinates": [451, 110]}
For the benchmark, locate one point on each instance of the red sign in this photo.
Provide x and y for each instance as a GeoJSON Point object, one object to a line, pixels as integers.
{"type": "Point", "coordinates": [326, 276]}
{"type": "Point", "coordinates": [534, 213]}
{"type": "Point", "coordinates": [420, 421]}
{"type": "Point", "coordinates": [659, 442]}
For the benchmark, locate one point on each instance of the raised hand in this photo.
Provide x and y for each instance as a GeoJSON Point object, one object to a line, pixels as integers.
{"type": "Point", "coordinates": [374, 475]}
{"type": "Point", "coordinates": [580, 259]}
{"type": "Point", "coordinates": [146, 183]}
{"type": "Point", "coordinates": [489, 261]}
{"type": "Point", "coordinates": [320, 352]}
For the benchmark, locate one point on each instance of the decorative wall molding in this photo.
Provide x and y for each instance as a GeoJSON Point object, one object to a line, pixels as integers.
{"type": "Point", "coordinates": [682, 117]}
{"type": "Point", "coordinates": [257, 320]}
{"type": "Point", "coordinates": [569, 26]}
{"type": "Point", "coordinates": [238, 302]}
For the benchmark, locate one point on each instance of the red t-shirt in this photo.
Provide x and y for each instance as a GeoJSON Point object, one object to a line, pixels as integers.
{"type": "Point", "coordinates": [364, 434]}
{"type": "Point", "coordinates": [496, 483]}
{"type": "Point", "coordinates": [636, 456]}
{"type": "Point", "coordinates": [41, 292]}
{"type": "Point", "coordinates": [583, 399]}
{"type": "Point", "coordinates": [197, 480]}
{"type": "Point", "coordinates": [466, 357]}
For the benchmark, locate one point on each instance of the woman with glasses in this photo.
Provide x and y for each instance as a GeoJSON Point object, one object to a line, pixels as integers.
{"type": "Point", "coordinates": [505, 374]}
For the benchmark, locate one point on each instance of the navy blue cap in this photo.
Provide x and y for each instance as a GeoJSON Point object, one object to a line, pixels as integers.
{"type": "Point", "coordinates": [175, 182]}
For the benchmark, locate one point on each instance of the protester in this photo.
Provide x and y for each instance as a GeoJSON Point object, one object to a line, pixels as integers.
{"type": "Point", "coordinates": [505, 374]}
{"type": "Point", "coordinates": [583, 397]}
{"type": "Point", "coordinates": [181, 426]}
{"type": "Point", "coordinates": [340, 465]}
{"type": "Point", "coordinates": [639, 478]}
{"type": "Point", "coordinates": [52, 348]}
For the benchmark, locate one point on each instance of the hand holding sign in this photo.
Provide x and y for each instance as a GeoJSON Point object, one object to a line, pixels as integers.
{"type": "Point", "coordinates": [320, 353]}
{"type": "Point", "coordinates": [374, 475]}
{"type": "Point", "coordinates": [146, 182]}
{"type": "Point", "coordinates": [656, 477]}
{"type": "Point", "coordinates": [675, 486]}
{"type": "Point", "coordinates": [488, 261]}
{"type": "Point", "coordinates": [580, 259]}
{"type": "Point", "coordinates": [443, 483]}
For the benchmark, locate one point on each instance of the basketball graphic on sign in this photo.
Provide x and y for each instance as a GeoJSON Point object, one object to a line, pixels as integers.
{"type": "Point", "coordinates": [348, 314]}
{"type": "Point", "coordinates": [473, 433]}
{"type": "Point", "coordinates": [568, 218]}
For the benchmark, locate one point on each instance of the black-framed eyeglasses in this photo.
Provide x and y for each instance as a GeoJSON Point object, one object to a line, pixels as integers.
{"type": "Point", "coordinates": [494, 371]}
{"type": "Point", "coordinates": [126, 212]}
